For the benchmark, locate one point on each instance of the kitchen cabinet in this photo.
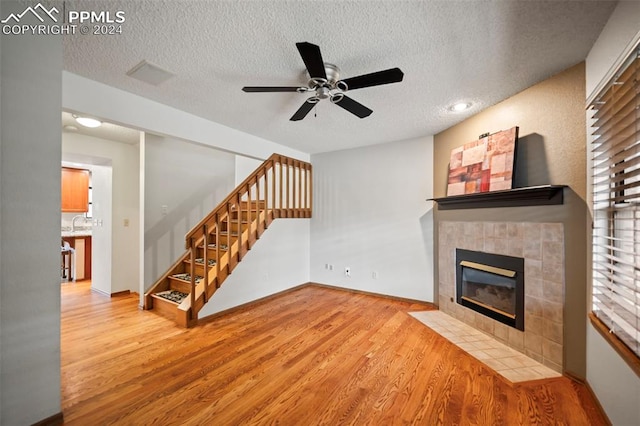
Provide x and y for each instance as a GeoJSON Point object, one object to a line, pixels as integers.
{"type": "Point", "coordinates": [75, 190]}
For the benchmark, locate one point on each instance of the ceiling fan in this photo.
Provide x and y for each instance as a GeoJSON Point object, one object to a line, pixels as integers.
{"type": "Point", "coordinates": [325, 83]}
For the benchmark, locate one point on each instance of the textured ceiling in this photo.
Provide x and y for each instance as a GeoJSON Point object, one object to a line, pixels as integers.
{"type": "Point", "coordinates": [479, 51]}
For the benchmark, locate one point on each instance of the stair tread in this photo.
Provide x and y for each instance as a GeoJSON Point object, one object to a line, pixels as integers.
{"type": "Point", "coordinates": [213, 246]}
{"type": "Point", "coordinates": [185, 277]}
{"type": "Point", "coordinates": [200, 261]}
{"type": "Point", "coordinates": [171, 296]}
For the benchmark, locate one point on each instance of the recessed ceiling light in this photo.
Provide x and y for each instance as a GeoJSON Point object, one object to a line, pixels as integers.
{"type": "Point", "coordinates": [88, 121]}
{"type": "Point", "coordinates": [460, 106]}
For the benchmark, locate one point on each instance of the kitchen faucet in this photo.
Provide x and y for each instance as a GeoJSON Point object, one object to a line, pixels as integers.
{"type": "Point", "coordinates": [73, 221]}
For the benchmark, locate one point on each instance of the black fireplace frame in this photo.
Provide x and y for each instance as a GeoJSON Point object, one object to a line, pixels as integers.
{"type": "Point", "coordinates": [511, 263]}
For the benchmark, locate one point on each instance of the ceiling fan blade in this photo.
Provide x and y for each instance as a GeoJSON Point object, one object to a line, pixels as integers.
{"type": "Point", "coordinates": [393, 75]}
{"type": "Point", "coordinates": [302, 111]}
{"type": "Point", "coordinates": [353, 107]}
{"type": "Point", "coordinates": [312, 58]}
{"type": "Point", "coordinates": [258, 89]}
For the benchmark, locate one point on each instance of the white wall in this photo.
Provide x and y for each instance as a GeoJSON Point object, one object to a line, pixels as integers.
{"type": "Point", "coordinates": [104, 267]}
{"type": "Point", "coordinates": [371, 214]}
{"type": "Point", "coordinates": [616, 386]}
{"type": "Point", "coordinates": [190, 180]}
{"type": "Point", "coordinates": [29, 225]}
{"type": "Point", "coordinates": [278, 261]}
{"type": "Point", "coordinates": [121, 191]}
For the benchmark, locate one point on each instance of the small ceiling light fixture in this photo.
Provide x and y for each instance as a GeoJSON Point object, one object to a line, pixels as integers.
{"type": "Point", "coordinates": [460, 106]}
{"type": "Point", "coordinates": [87, 121]}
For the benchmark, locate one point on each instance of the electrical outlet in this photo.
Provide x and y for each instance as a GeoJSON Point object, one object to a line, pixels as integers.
{"type": "Point", "coordinates": [347, 271]}
{"type": "Point", "coordinates": [126, 222]}
{"type": "Point", "coordinates": [330, 267]}
{"type": "Point", "coordinates": [164, 209]}
{"type": "Point", "coordinates": [374, 275]}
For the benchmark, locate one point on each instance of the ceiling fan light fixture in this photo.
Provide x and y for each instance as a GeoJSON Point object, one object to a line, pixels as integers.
{"type": "Point", "coordinates": [87, 121]}
{"type": "Point", "coordinates": [324, 80]}
{"type": "Point", "coordinates": [460, 106]}
{"type": "Point", "coordinates": [337, 97]}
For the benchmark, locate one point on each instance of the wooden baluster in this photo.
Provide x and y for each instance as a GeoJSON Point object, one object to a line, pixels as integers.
{"type": "Point", "coordinates": [252, 200]}
{"type": "Point", "coordinates": [281, 184]}
{"type": "Point", "coordinates": [299, 204]}
{"type": "Point", "coordinates": [288, 189]}
{"type": "Point", "coordinates": [256, 194]}
{"type": "Point", "coordinates": [217, 242]}
{"type": "Point", "coordinates": [192, 272]}
{"type": "Point", "coordinates": [205, 257]}
{"type": "Point", "coordinates": [273, 185]}
{"type": "Point", "coordinates": [293, 188]}
{"type": "Point", "coordinates": [303, 188]}
{"type": "Point", "coordinates": [310, 189]}
{"type": "Point", "coordinates": [266, 195]}
{"type": "Point", "coordinates": [238, 220]}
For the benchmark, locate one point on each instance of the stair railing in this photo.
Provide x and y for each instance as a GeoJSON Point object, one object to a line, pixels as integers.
{"type": "Point", "coordinates": [281, 187]}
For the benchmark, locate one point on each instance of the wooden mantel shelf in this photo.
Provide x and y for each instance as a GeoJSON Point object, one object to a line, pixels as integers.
{"type": "Point", "coordinates": [530, 196]}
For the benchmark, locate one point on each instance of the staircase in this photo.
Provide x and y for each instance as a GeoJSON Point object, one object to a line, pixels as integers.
{"type": "Point", "coordinates": [279, 188]}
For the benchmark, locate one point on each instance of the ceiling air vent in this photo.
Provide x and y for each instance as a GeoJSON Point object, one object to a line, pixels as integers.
{"type": "Point", "coordinates": [150, 73]}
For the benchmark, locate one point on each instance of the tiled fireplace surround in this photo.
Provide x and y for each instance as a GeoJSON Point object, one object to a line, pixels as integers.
{"type": "Point", "coordinates": [542, 247]}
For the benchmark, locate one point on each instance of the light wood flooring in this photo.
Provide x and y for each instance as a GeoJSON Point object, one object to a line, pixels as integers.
{"type": "Point", "coordinates": [312, 356]}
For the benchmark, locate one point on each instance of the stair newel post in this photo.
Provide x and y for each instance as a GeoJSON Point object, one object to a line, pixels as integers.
{"type": "Point", "coordinates": [205, 257]}
{"type": "Point", "coordinates": [192, 273]}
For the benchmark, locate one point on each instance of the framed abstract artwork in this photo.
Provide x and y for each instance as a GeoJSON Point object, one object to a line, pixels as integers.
{"type": "Point", "coordinates": [483, 165]}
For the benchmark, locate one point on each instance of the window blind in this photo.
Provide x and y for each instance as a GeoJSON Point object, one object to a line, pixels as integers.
{"type": "Point", "coordinates": [616, 205]}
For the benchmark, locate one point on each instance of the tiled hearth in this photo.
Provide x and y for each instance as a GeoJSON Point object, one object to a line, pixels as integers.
{"type": "Point", "coordinates": [509, 363]}
{"type": "Point", "coordinates": [542, 247]}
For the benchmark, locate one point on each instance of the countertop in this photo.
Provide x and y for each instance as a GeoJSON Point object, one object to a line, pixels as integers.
{"type": "Point", "coordinates": [76, 234]}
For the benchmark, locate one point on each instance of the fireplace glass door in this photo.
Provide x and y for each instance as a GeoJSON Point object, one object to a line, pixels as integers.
{"type": "Point", "coordinates": [492, 288]}
{"type": "Point", "coordinates": [491, 284]}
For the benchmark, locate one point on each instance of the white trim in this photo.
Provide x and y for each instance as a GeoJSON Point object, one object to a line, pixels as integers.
{"type": "Point", "coordinates": [619, 62]}
{"type": "Point", "coordinates": [141, 212]}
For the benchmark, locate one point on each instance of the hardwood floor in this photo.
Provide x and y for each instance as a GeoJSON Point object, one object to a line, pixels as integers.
{"type": "Point", "coordinates": [312, 356]}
